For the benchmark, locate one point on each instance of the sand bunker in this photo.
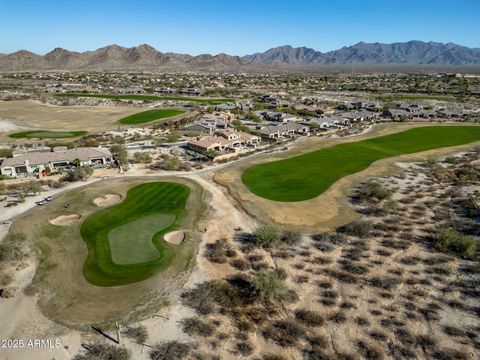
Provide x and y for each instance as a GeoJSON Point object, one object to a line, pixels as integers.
{"type": "Point", "coordinates": [64, 220]}
{"type": "Point", "coordinates": [175, 237]}
{"type": "Point", "coordinates": [107, 200]}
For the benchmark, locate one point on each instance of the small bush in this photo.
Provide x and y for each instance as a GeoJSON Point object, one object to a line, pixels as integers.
{"type": "Point", "coordinates": [360, 228]}
{"type": "Point", "coordinates": [373, 191]}
{"type": "Point", "coordinates": [271, 286]}
{"type": "Point", "coordinates": [139, 333]}
{"type": "Point", "coordinates": [195, 326]}
{"type": "Point", "coordinates": [285, 333]}
{"type": "Point", "coordinates": [449, 240]}
{"type": "Point", "coordinates": [267, 236]}
{"type": "Point", "coordinates": [104, 352]}
{"type": "Point", "coordinates": [309, 317]}
{"type": "Point", "coordinates": [219, 251]}
{"type": "Point", "coordinates": [291, 237]}
{"type": "Point", "coordinates": [170, 350]}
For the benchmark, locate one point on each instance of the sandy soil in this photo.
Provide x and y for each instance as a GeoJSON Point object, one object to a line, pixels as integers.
{"type": "Point", "coordinates": [107, 200]}
{"type": "Point", "coordinates": [65, 220]}
{"type": "Point", "coordinates": [175, 237]}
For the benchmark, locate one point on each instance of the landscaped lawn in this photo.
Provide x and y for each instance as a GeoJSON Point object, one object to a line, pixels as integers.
{"type": "Point", "coordinates": [150, 115]}
{"type": "Point", "coordinates": [307, 176]}
{"type": "Point", "coordinates": [150, 98]}
{"type": "Point", "coordinates": [125, 242]}
{"type": "Point", "coordinates": [46, 134]}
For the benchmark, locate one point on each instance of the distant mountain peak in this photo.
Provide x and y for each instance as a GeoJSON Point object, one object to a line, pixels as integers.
{"type": "Point", "coordinates": [145, 56]}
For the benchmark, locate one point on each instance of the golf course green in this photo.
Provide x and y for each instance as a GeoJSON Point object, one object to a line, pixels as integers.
{"type": "Point", "coordinates": [306, 176]}
{"type": "Point", "coordinates": [207, 101]}
{"type": "Point", "coordinates": [125, 242]}
{"type": "Point", "coordinates": [150, 115]}
{"type": "Point", "coordinates": [46, 134]}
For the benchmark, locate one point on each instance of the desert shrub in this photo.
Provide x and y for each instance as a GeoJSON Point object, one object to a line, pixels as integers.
{"type": "Point", "coordinates": [205, 295]}
{"type": "Point", "coordinates": [104, 352]}
{"type": "Point", "coordinates": [142, 157]}
{"type": "Point", "coordinates": [271, 286]}
{"type": "Point", "coordinates": [170, 350]}
{"type": "Point", "coordinates": [453, 331]}
{"type": "Point", "coordinates": [370, 351]}
{"type": "Point", "coordinates": [244, 348]}
{"type": "Point", "coordinates": [267, 236]}
{"type": "Point", "coordinates": [359, 228]}
{"type": "Point", "coordinates": [338, 317]}
{"type": "Point", "coordinates": [80, 173]}
{"type": "Point", "coordinates": [138, 333]}
{"type": "Point", "coordinates": [195, 326]}
{"type": "Point", "coordinates": [449, 240]}
{"type": "Point", "coordinates": [361, 321]}
{"type": "Point", "coordinates": [332, 238]}
{"type": "Point", "coordinates": [309, 317]}
{"type": "Point", "coordinates": [291, 237]}
{"type": "Point", "coordinates": [378, 335]}
{"type": "Point", "coordinates": [451, 354]}
{"type": "Point", "coordinates": [387, 283]}
{"type": "Point", "coordinates": [354, 267]}
{"type": "Point", "coordinates": [373, 191]}
{"type": "Point", "coordinates": [219, 251]}
{"type": "Point", "coordinates": [273, 357]}
{"type": "Point", "coordinates": [239, 264]}
{"type": "Point", "coordinates": [284, 333]}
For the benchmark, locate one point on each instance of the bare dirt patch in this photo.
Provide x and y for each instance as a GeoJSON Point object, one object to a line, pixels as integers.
{"type": "Point", "coordinates": [107, 200]}
{"type": "Point", "coordinates": [65, 220]}
{"type": "Point", "coordinates": [175, 237]}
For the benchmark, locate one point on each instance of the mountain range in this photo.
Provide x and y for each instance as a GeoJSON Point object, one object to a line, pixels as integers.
{"type": "Point", "coordinates": [145, 57]}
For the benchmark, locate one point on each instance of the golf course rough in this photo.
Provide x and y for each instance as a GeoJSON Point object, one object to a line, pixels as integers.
{"type": "Point", "coordinates": [306, 176]}
{"type": "Point", "coordinates": [150, 115]}
{"type": "Point", "coordinates": [149, 211]}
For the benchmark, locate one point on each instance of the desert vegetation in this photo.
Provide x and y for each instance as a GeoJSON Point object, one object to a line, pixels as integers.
{"type": "Point", "coordinates": [400, 280]}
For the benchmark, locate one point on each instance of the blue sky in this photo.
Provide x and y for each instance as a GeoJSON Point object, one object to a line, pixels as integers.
{"type": "Point", "coordinates": [235, 27]}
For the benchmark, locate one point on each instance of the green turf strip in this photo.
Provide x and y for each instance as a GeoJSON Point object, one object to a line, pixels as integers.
{"type": "Point", "coordinates": [46, 134]}
{"type": "Point", "coordinates": [307, 176]}
{"type": "Point", "coordinates": [131, 243]}
{"type": "Point", "coordinates": [150, 115]}
{"type": "Point", "coordinates": [150, 98]}
{"type": "Point", "coordinates": [142, 201]}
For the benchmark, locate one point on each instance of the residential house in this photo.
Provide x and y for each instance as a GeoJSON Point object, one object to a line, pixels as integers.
{"type": "Point", "coordinates": [38, 161]}
{"type": "Point", "coordinates": [283, 130]}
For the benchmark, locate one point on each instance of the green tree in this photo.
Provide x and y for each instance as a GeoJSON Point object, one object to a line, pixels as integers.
{"type": "Point", "coordinates": [271, 286]}
{"type": "Point", "coordinates": [267, 236]}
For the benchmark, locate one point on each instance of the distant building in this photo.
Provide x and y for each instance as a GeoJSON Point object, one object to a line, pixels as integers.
{"type": "Point", "coordinates": [226, 140]}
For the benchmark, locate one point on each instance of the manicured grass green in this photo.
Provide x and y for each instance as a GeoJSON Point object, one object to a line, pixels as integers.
{"type": "Point", "coordinates": [413, 97]}
{"type": "Point", "coordinates": [46, 134]}
{"type": "Point", "coordinates": [150, 115]}
{"type": "Point", "coordinates": [307, 176]}
{"type": "Point", "coordinates": [131, 243]}
{"type": "Point", "coordinates": [150, 98]}
{"type": "Point", "coordinates": [144, 200]}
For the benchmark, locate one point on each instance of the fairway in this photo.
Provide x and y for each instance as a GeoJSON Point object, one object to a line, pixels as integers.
{"type": "Point", "coordinates": [307, 176]}
{"type": "Point", "coordinates": [131, 243]}
{"type": "Point", "coordinates": [206, 101]}
{"type": "Point", "coordinates": [46, 134]}
{"type": "Point", "coordinates": [150, 115]}
{"type": "Point", "coordinates": [125, 242]}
